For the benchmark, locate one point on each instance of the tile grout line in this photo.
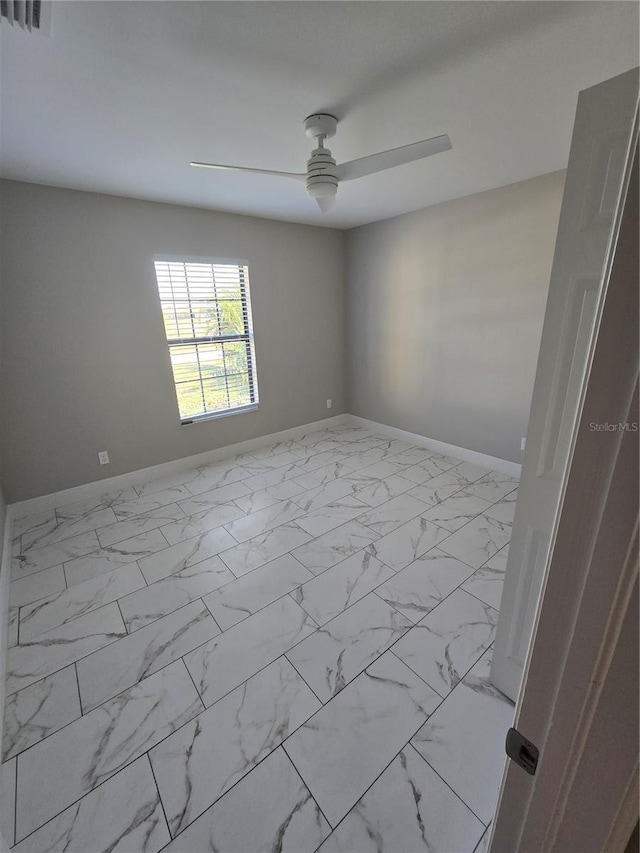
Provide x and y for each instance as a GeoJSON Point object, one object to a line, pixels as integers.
{"type": "Point", "coordinates": [407, 744]}
{"type": "Point", "coordinates": [437, 692]}
{"type": "Point", "coordinates": [240, 684]}
{"type": "Point", "coordinates": [126, 627]}
{"type": "Point", "coordinates": [206, 708]}
{"type": "Point", "coordinates": [409, 628]}
{"type": "Point", "coordinates": [70, 662]}
{"type": "Point", "coordinates": [260, 609]}
{"type": "Point", "coordinates": [435, 606]}
{"type": "Point", "coordinates": [208, 609]}
{"type": "Point", "coordinates": [195, 687]}
{"type": "Point", "coordinates": [15, 804]}
{"type": "Point", "coordinates": [128, 764]}
{"type": "Point", "coordinates": [84, 712]}
{"type": "Point", "coordinates": [390, 647]}
{"type": "Point", "coordinates": [302, 678]}
{"type": "Point", "coordinates": [473, 595]}
{"type": "Point", "coordinates": [416, 625]}
{"type": "Point", "coordinates": [444, 782]}
{"type": "Point", "coordinates": [309, 790]}
{"type": "Point", "coordinates": [155, 782]}
{"type": "Point", "coordinates": [75, 669]}
{"type": "Point", "coordinates": [79, 799]}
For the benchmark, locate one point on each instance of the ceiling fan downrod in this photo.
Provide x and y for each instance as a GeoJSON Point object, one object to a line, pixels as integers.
{"type": "Point", "coordinates": [322, 180]}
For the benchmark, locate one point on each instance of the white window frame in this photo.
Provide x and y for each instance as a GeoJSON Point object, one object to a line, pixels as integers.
{"type": "Point", "coordinates": [247, 336]}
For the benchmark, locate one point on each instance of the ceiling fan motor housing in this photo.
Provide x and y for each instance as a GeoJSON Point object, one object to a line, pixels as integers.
{"type": "Point", "coordinates": [322, 180]}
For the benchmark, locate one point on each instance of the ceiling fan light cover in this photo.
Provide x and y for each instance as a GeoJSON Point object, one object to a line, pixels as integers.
{"type": "Point", "coordinates": [322, 181]}
{"type": "Point", "coordinates": [322, 187]}
{"type": "Point", "coordinates": [326, 204]}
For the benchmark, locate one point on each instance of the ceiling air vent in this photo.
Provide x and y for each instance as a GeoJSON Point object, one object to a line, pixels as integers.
{"type": "Point", "coordinates": [23, 13]}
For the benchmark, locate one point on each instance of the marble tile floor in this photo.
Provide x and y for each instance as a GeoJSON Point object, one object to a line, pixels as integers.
{"type": "Point", "coordinates": [288, 650]}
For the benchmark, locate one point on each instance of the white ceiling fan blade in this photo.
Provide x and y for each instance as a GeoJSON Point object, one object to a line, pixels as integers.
{"type": "Point", "coordinates": [296, 175]}
{"type": "Point", "coordinates": [394, 157]}
{"type": "Point", "coordinates": [327, 203]}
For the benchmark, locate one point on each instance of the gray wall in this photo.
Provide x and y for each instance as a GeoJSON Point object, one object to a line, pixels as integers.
{"type": "Point", "coordinates": [3, 505]}
{"type": "Point", "coordinates": [444, 315]}
{"type": "Point", "coordinates": [445, 311]}
{"type": "Point", "coordinates": [85, 360]}
{"type": "Point", "coordinates": [3, 521]}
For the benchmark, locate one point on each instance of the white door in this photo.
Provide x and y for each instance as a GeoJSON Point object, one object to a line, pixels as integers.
{"type": "Point", "coordinates": [579, 702]}
{"type": "Point", "coordinates": [598, 163]}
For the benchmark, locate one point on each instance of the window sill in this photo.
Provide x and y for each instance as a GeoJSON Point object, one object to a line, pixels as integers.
{"type": "Point", "coordinates": [213, 416]}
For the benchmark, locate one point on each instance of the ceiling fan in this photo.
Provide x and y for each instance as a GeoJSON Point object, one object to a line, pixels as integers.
{"type": "Point", "coordinates": [323, 174]}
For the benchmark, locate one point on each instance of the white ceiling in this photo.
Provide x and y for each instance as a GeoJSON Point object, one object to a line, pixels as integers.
{"type": "Point", "coordinates": [122, 95]}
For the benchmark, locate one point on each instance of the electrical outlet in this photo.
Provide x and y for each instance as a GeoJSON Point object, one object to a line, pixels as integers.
{"type": "Point", "coordinates": [103, 457]}
{"type": "Point", "coordinates": [523, 442]}
{"type": "Point", "coordinates": [329, 404]}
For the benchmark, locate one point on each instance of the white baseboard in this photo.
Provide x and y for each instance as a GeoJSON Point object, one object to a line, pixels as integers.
{"type": "Point", "coordinates": [112, 484]}
{"type": "Point", "coordinates": [502, 465]}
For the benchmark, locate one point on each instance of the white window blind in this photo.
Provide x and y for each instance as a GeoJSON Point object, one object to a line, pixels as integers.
{"type": "Point", "coordinates": [207, 318]}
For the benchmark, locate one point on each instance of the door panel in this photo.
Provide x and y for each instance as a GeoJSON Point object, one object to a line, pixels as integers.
{"type": "Point", "coordinates": [575, 339]}
{"type": "Point", "coordinates": [595, 177]}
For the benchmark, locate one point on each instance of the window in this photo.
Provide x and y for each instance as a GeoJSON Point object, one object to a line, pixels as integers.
{"type": "Point", "coordinates": [207, 319]}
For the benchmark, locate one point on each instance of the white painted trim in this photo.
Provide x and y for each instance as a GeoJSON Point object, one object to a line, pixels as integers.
{"type": "Point", "coordinates": [502, 465]}
{"type": "Point", "coordinates": [112, 484]}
